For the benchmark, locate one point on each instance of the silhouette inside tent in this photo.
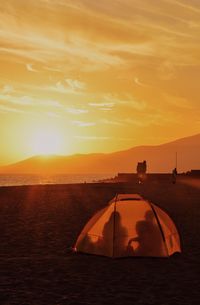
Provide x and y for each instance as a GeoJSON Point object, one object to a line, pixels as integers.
{"type": "Point", "coordinates": [129, 226]}
{"type": "Point", "coordinates": [149, 237]}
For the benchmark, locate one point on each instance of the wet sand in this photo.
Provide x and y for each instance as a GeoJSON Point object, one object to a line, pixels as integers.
{"type": "Point", "coordinates": [40, 223]}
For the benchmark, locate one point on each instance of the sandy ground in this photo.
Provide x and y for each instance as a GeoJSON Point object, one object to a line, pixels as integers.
{"type": "Point", "coordinates": [39, 224]}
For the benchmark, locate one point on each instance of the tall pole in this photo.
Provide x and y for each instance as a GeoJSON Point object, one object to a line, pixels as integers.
{"type": "Point", "coordinates": [113, 249]}
{"type": "Point", "coordinates": [176, 160]}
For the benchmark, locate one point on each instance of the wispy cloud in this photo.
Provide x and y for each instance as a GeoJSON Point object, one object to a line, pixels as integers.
{"type": "Point", "coordinates": [177, 101]}
{"type": "Point", "coordinates": [86, 49]}
{"type": "Point", "coordinates": [166, 70]}
{"type": "Point", "coordinates": [29, 101]}
{"type": "Point", "coordinates": [66, 87]}
{"type": "Point", "coordinates": [105, 109]}
{"type": "Point", "coordinates": [7, 89]}
{"type": "Point", "coordinates": [133, 68]}
{"type": "Point", "coordinates": [139, 83]}
{"type": "Point", "coordinates": [186, 6]}
{"type": "Point", "coordinates": [103, 138]}
{"type": "Point", "coordinates": [16, 100]}
{"type": "Point", "coordinates": [53, 114]}
{"type": "Point", "coordinates": [77, 111]}
{"type": "Point", "coordinates": [6, 109]}
{"type": "Point", "coordinates": [52, 69]}
{"type": "Point", "coordinates": [142, 49]}
{"type": "Point", "coordinates": [128, 100]}
{"type": "Point", "coordinates": [92, 138]}
{"type": "Point", "coordinates": [102, 104]}
{"type": "Point", "coordinates": [112, 122]}
{"type": "Point", "coordinates": [39, 48]}
{"type": "Point", "coordinates": [83, 124]}
{"type": "Point", "coordinates": [30, 68]}
{"type": "Point", "coordinates": [75, 84]}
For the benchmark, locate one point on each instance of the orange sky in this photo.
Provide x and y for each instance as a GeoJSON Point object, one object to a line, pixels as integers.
{"type": "Point", "coordinates": [86, 76]}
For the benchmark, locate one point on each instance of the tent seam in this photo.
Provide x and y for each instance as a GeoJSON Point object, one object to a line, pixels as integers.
{"type": "Point", "coordinates": [114, 226]}
{"type": "Point", "coordinates": [160, 227]}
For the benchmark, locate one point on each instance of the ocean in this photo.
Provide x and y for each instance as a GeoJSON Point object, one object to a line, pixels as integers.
{"type": "Point", "coordinates": [27, 179]}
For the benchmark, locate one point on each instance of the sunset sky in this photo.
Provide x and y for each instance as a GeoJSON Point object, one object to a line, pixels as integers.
{"type": "Point", "coordinates": [86, 76]}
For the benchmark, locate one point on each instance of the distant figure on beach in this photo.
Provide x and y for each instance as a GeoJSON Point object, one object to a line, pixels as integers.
{"type": "Point", "coordinates": [149, 239]}
{"type": "Point", "coordinates": [174, 175]}
{"type": "Point", "coordinates": [141, 171]}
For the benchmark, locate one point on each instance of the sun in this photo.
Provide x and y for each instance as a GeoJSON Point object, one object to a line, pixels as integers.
{"type": "Point", "coordinates": [46, 142]}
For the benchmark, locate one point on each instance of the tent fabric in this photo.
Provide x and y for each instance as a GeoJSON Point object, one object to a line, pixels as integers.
{"type": "Point", "coordinates": [129, 226]}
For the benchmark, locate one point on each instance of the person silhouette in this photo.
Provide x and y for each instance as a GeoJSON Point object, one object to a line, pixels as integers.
{"type": "Point", "coordinates": [174, 175]}
{"type": "Point", "coordinates": [114, 236]}
{"type": "Point", "coordinates": [149, 239]}
{"type": "Point", "coordinates": [141, 171]}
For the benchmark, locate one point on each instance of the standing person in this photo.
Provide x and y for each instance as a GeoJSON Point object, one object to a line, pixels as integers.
{"type": "Point", "coordinates": [174, 175]}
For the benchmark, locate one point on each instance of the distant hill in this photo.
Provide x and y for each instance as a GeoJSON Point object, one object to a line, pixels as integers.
{"type": "Point", "coordinates": [159, 158]}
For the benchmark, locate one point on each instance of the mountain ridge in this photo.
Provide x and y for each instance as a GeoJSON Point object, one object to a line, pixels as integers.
{"type": "Point", "coordinates": [160, 158]}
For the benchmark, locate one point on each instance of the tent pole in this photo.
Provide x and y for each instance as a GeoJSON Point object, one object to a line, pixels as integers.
{"type": "Point", "coordinates": [160, 227]}
{"type": "Point", "coordinates": [113, 250]}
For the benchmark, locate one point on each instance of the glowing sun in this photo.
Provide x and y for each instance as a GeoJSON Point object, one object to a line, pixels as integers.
{"type": "Point", "coordinates": [46, 142]}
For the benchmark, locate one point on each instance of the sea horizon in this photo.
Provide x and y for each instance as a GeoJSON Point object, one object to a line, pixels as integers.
{"type": "Point", "coordinates": [35, 179]}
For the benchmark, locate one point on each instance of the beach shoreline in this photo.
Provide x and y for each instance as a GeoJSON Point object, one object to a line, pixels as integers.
{"type": "Point", "coordinates": [40, 223]}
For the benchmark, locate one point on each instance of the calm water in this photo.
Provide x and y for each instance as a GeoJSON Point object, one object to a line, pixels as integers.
{"type": "Point", "coordinates": [8, 180]}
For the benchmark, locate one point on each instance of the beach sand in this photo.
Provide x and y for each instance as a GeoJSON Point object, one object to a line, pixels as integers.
{"type": "Point", "coordinates": [40, 223]}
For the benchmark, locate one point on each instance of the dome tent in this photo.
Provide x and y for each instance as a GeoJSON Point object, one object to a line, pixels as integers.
{"type": "Point", "coordinates": [129, 226]}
